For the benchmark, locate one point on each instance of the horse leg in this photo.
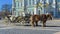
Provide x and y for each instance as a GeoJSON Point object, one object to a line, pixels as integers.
{"type": "Point", "coordinates": [32, 23]}
{"type": "Point", "coordinates": [36, 23]}
{"type": "Point", "coordinates": [44, 24]}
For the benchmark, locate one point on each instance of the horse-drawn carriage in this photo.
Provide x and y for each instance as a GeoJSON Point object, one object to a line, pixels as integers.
{"type": "Point", "coordinates": [18, 19]}
{"type": "Point", "coordinates": [30, 19]}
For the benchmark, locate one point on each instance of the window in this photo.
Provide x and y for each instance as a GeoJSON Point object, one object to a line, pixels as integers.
{"type": "Point", "coordinates": [50, 1]}
{"type": "Point", "coordinates": [18, 4]}
{"type": "Point", "coordinates": [33, 2]}
{"type": "Point", "coordinates": [29, 2]}
{"type": "Point", "coordinates": [25, 2]}
{"type": "Point", "coordinates": [21, 4]}
{"type": "Point", "coordinates": [58, 0]}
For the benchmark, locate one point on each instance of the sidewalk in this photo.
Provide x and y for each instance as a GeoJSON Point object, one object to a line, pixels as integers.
{"type": "Point", "coordinates": [57, 33]}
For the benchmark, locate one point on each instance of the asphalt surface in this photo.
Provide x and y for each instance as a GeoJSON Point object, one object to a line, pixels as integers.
{"type": "Point", "coordinates": [25, 31]}
{"type": "Point", "coordinates": [51, 28]}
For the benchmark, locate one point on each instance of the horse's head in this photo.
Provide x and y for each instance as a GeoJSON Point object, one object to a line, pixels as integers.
{"type": "Point", "coordinates": [49, 16]}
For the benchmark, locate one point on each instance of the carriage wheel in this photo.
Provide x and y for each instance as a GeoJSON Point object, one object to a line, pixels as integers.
{"type": "Point", "coordinates": [22, 22]}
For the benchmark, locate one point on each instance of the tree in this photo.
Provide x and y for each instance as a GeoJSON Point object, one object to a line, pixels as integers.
{"type": "Point", "coordinates": [6, 8]}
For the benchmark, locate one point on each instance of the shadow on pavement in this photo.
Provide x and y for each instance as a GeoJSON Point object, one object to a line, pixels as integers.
{"type": "Point", "coordinates": [52, 26]}
{"type": "Point", "coordinates": [40, 25]}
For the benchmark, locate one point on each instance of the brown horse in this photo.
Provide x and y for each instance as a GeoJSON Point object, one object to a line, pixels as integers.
{"type": "Point", "coordinates": [43, 18]}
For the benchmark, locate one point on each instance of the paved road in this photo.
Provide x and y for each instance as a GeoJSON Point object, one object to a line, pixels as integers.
{"type": "Point", "coordinates": [25, 31]}
{"type": "Point", "coordinates": [52, 27]}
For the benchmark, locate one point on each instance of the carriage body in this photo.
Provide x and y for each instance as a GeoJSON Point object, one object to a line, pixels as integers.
{"type": "Point", "coordinates": [18, 19]}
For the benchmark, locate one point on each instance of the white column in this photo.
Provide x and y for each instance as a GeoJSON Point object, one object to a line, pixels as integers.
{"type": "Point", "coordinates": [31, 2]}
{"type": "Point", "coordinates": [35, 9]}
{"type": "Point", "coordinates": [54, 1]}
{"type": "Point", "coordinates": [22, 2]}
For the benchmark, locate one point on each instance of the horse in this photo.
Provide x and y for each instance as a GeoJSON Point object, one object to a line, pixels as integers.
{"type": "Point", "coordinates": [43, 18]}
